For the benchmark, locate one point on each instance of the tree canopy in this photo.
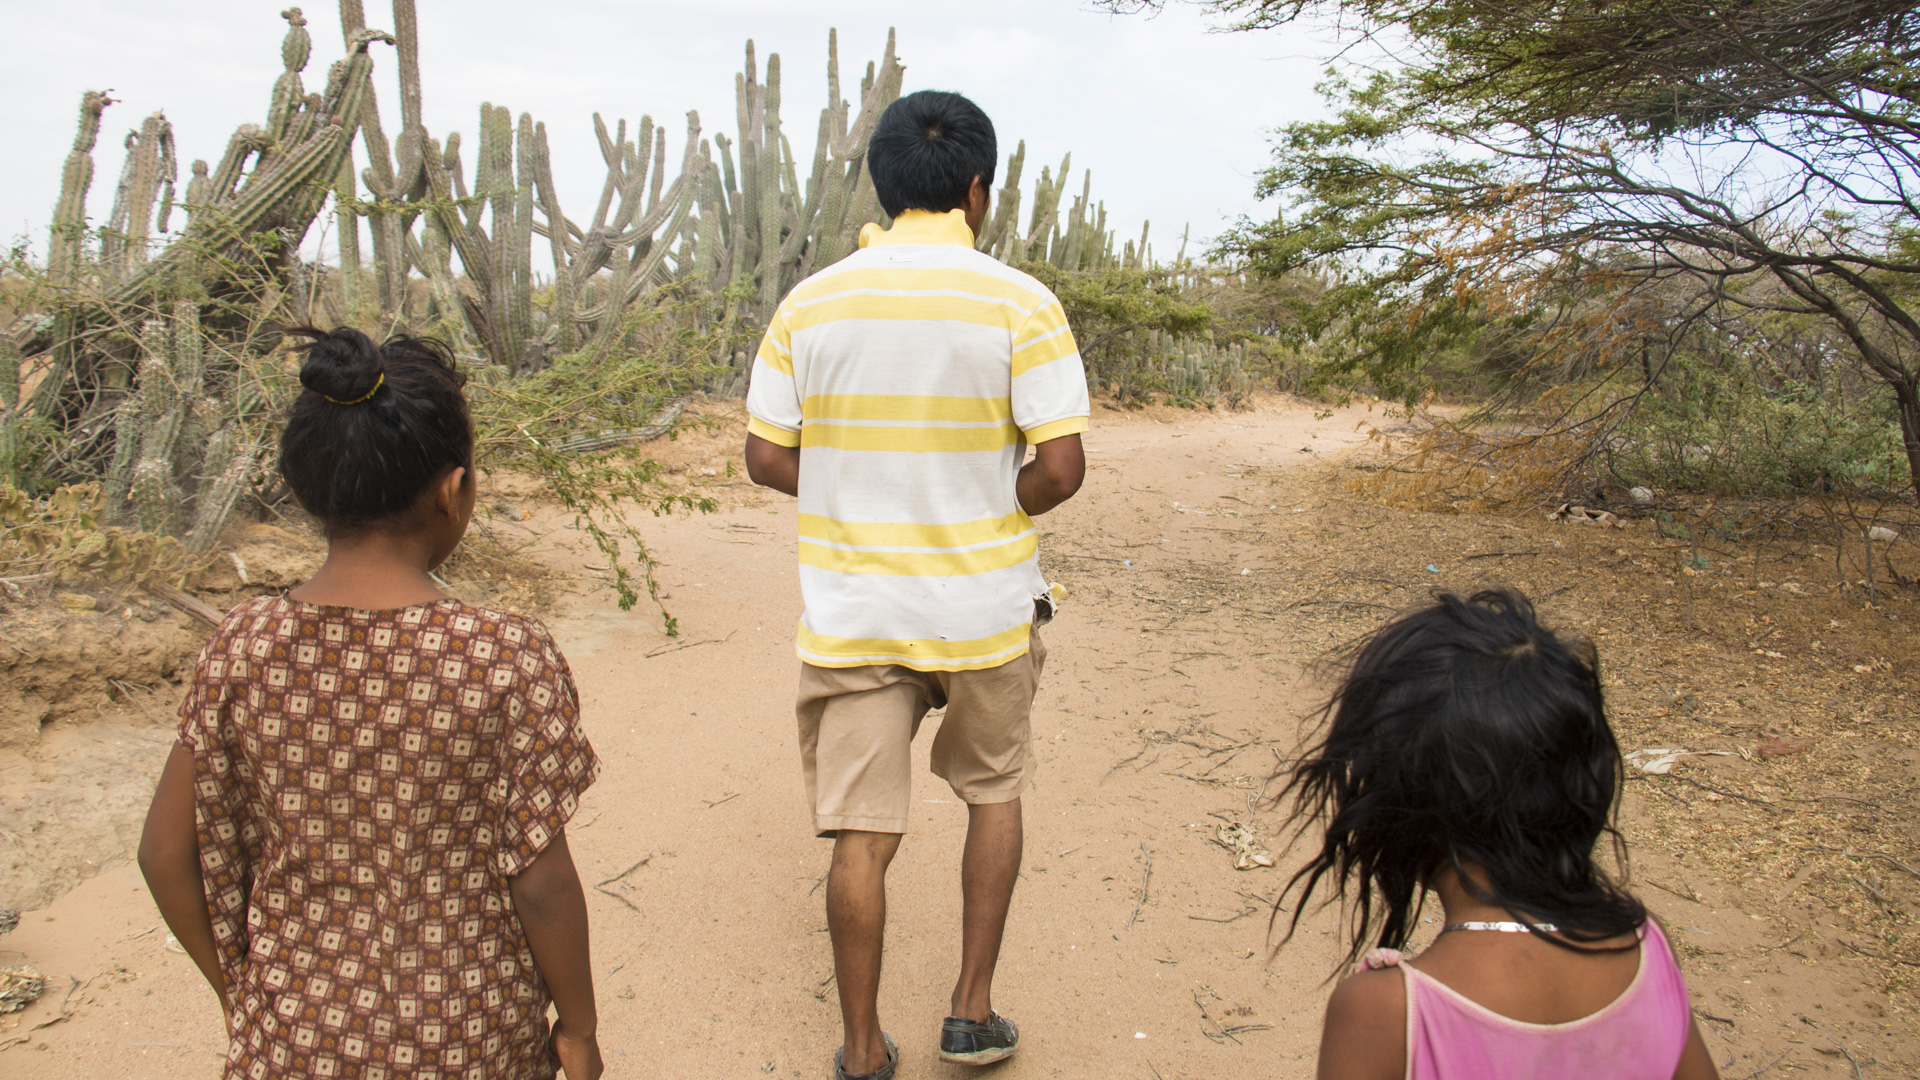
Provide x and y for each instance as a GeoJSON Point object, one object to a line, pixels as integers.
{"type": "Point", "coordinates": [1603, 173]}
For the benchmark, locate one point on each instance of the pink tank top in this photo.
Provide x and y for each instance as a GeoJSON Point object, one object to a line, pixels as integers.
{"type": "Point", "coordinates": [1638, 1037]}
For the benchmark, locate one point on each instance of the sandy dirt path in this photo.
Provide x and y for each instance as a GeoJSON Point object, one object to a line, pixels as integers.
{"type": "Point", "coordinates": [712, 957]}
{"type": "Point", "coordinates": [1154, 728]}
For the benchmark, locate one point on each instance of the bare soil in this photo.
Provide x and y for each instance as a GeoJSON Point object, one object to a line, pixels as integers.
{"type": "Point", "coordinates": [1213, 562]}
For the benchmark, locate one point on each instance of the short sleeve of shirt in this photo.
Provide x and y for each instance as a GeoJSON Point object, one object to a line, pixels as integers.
{"type": "Point", "coordinates": [1049, 379]}
{"type": "Point", "coordinates": [773, 398]}
{"type": "Point", "coordinates": [228, 843]}
{"type": "Point", "coordinates": [548, 762]}
{"type": "Point", "coordinates": [203, 712]}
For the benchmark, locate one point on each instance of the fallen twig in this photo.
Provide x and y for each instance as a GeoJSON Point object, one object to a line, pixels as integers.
{"type": "Point", "coordinates": [1882, 957]}
{"type": "Point", "coordinates": [1342, 603]}
{"type": "Point", "coordinates": [1206, 780]}
{"type": "Point", "coordinates": [1718, 791]}
{"type": "Point", "coordinates": [1688, 895]}
{"type": "Point", "coordinates": [1230, 918]}
{"type": "Point", "coordinates": [1146, 875]}
{"type": "Point", "coordinates": [1851, 1060]}
{"type": "Point", "coordinates": [1222, 1032]}
{"type": "Point", "coordinates": [665, 649]}
{"type": "Point", "coordinates": [1878, 896]}
{"type": "Point", "coordinates": [1704, 1015]}
{"type": "Point", "coordinates": [1767, 1066]}
{"type": "Point", "coordinates": [190, 604]}
{"type": "Point", "coordinates": [1497, 555]}
{"type": "Point", "coordinates": [1784, 944]}
{"type": "Point", "coordinates": [1852, 854]}
{"type": "Point", "coordinates": [1126, 761]}
{"type": "Point", "coordinates": [601, 887]}
{"type": "Point", "coordinates": [723, 799]}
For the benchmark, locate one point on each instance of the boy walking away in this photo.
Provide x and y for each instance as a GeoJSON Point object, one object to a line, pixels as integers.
{"type": "Point", "coordinates": [895, 394]}
{"type": "Point", "coordinates": [360, 837]}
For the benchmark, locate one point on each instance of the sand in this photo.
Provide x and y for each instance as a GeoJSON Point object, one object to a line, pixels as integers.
{"type": "Point", "coordinates": [1163, 712]}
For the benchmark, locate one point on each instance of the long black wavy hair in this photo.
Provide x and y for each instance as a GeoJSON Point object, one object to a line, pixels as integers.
{"type": "Point", "coordinates": [1465, 732]}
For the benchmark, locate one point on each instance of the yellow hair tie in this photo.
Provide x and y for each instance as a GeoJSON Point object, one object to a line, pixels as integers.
{"type": "Point", "coordinates": [377, 383]}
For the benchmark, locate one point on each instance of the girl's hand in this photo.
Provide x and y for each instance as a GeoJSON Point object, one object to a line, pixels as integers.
{"type": "Point", "coordinates": [579, 1055]}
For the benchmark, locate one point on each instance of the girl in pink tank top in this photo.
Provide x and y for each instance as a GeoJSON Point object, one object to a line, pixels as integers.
{"type": "Point", "coordinates": [1467, 755]}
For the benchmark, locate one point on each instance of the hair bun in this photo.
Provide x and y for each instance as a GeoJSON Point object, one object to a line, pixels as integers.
{"type": "Point", "coordinates": [343, 365]}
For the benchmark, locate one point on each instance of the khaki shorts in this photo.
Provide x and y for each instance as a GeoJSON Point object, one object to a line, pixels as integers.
{"type": "Point", "coordinates": [857, 727]}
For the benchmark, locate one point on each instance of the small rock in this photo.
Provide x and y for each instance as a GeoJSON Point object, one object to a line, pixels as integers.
{"type": "Point", "coordinates": [1640, 496]}
{"type": "Point", "coordinates": [1880, 534]}
{"type": "Point", "coordinates": [76, 601]}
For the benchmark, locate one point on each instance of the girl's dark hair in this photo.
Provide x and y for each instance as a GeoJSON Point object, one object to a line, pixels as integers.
{"type": "Point", "coordinates": [375, 426]}
{"type": "Point", "coordinates": [1466, 732]}
{"type": "Point", "coordinates": [926, 150]}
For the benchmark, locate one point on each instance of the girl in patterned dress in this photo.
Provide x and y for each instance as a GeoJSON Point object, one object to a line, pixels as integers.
{"type": "Point", "coordinates": [360, 835]}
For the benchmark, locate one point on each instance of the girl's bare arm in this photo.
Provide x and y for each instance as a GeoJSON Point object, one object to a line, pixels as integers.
{"type": "Point", "coordinates": [1695, 1062]}
{"type": "Point", "coordinates": [1365, 1034]}
{"type": "Point", "coordinates": [170, 860]}
{"type": "Point", "coordinates": [553, 913]}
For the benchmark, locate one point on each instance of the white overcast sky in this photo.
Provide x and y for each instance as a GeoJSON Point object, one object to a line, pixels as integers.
{"type": "Point", "coordinates": [1173, 120]}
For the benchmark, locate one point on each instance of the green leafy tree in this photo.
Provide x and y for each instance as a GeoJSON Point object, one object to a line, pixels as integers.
{"type": "Point", "coordinates": [1757, 156]}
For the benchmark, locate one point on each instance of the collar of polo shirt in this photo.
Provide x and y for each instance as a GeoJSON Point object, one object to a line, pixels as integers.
{"type": "Point", "coordinates": [920, 227]}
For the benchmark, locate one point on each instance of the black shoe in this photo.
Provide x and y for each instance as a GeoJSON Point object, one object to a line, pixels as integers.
{"type": "Point", "coordinates": [978, 1044]}
{"type": "Point", "coordinates": [884, 1072]}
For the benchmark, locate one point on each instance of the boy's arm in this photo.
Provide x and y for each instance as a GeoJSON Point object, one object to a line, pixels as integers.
{"type": "Point", "coordinates": [1051, 478]}
{"type": "Point", "coordinates": [170, 861]}
{"type": "Point", "coordinates": [771, 465]}
{"type": "Point", "coordinates": [553, 914]}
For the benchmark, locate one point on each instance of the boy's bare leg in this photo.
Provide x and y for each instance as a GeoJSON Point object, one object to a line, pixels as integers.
{"type": "Point", "coordinates": [987, 872]}
{"type": "Point", "coordinates": [857, 921]}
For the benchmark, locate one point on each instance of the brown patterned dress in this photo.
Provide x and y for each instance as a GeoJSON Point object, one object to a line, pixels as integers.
{"type": "Point", "coordinates": [366, 784]}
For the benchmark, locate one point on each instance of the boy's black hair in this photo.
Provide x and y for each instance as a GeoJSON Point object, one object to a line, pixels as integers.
{"type": "Point", "coordinates": [1466, 732]}
{"type": "Point", "coordinates": [376, 426]}
{"type": "Point", "coordinates": [927, 149]}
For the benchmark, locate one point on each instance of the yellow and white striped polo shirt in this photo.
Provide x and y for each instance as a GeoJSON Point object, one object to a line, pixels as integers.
{"type": "Point", "coordinates": [912, 375]}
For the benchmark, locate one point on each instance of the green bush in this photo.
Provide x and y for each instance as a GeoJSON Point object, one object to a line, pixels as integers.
{"type": "Point", "coordinates": [1729, 429]}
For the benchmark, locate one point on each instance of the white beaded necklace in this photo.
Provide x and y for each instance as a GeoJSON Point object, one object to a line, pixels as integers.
{"type": "Point", "coordinates": [1503, 927]}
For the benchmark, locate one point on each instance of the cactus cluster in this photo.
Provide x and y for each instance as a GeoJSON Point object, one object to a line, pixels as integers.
{"type": "Point", "coordinates": [124, 351]}
{"type": "Point", "coordinates": [739, 219]}
{"type": "Point", "coordinates": [181, 457]}
{"type": "Point", "coordinates": [139, 354]}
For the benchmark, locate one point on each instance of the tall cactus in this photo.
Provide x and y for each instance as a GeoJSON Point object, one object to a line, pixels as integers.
{"type": "Point", "coordinates": [10, 420]}
{"type": "Point", "coordinates": [146, 186]}
{"type": "Point", "coordinates": [160, 407]}
{"type": "Point", "coordinates": [66, 251]}
{"type": "Point", "coordinates": [70, 213]}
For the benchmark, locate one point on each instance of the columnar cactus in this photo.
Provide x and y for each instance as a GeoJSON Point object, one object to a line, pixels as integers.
{"type": "Point", "coordinates": [744, 216]}
{"type": "Point", "coordinates": [70, 213]}
{"type": "Point", "coordinates": [9, 410]}
{"type": "Point", "coordinates": [146, 185]}
{"type": "Point", "coordinates": [160, 407]}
